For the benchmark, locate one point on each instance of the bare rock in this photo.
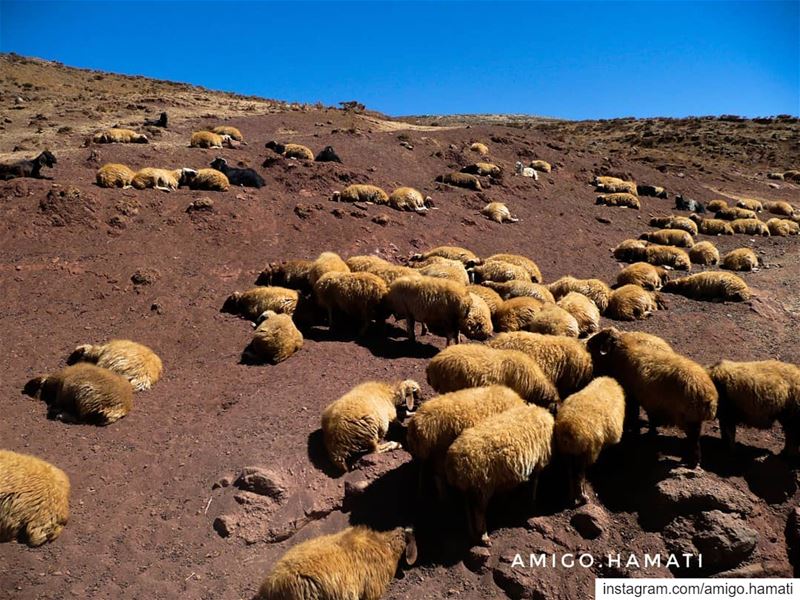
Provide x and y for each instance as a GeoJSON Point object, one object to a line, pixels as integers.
{"type": "Point", "coordinates": [724, 540]}
{"type": "Point", "coordinates": [145, 276]}
{"type": "Point", "coordinates": [477, 559]}
{"type": "Point", "coordinates": [263, 482]}
{"type": "Point", "coordinates": [793, 538]}
{"type": "Point", "coordinates": [590, 521]}
{"type": "Point", "coordinates": [201, 205]}
{"type": "Point", "coordinates": [303, 211]}
{"type": "Point", "coordinates": [224, 525]}
{"type": "Point", "coordinates": [381, 220]}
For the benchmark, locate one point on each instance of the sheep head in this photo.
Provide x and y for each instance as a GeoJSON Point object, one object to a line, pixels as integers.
{"type": "Point", "coordinates": [408, 392]}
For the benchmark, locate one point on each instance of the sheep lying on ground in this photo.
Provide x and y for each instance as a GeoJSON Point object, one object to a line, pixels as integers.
{"type": "Point", "coordinates": [480, 148]}
{"type": "Point", "coordinates": [255, 301]}
{"type": "Point", "coordinates": [290, 273]}
{"type": "Point", "coordinates": [237, 176]}
{"type": "Point", "coordinates": [464, 180]}
{"type": "Point", "coordinates": [467, 257]}
{"type": "Point", "coordinates": [669, 237]}
{"type": "Point", "coordinates": [119, 136]}
{"type": "Point", "coordinates": [275, 338]}
{"type": "Point", "coordinates": [359, 192]}
{"type": "Point", "coordinates": [754, 205]}
{"type": "Point", "coordinates": [541, 165]}
{"type": "Point", "coordinates": [732, 213]}
{"type": "Point", "coordinates": [711, 285]}
{"type": "Point", "coordinates": [779, 207]}
{"type": "Point", "coordinates": [614, 185]}
{"type": "Point", "coordinates": [631, 302]}
{"type": "Point", "coordinates": [483, 168]}
{"type": "Point", "coordinates": [521, 261]}
{"type": "Point", "coordinates": [792, 175]}
{"type": "Point", "coordinates": [325, 263]}
{"type": "Point", "coordinates": [594, 289]}
{"type": "Point", "coordinates": [159, 179]}
{"type": "Point", "coordinates": [444, 268]}
{"type": "Point", "coordinates": [206, 179]}
{"type": "Point", "coordinates": [554, 320]}
{"type": "Point", "coordinates": [741, 259]}
{"type": "Point", "coordinates": [499, 454]}
{"type": "Point", "coordinates": [672, 389]}
{"type": "Point", "coordinates": [630, 251]}
{"type": "Point", "coordinates": [716, 205]}
{"type": "Point", "coordinates": [498, 271]}
{"type": "Point", "coordinates": [356, 563]}
{"type": "Point", "coordinates": [83, 392]}
{"type": "Point", "coordinates": [296, 151]}
{"type": "Point", "coordinates": [564, 360]}
{"type": "Point", "coordinates": [498, 212]}
{"type": "Point", "coordinates": [620, 199]}
{"type": "Point", "coordinates": [651, 190]}
{"type": "Point", "coordinates": [359, 420]}
{"type": "Point", "coordinates": [440, 304]}
{"type": "Point", "coordinates": [208, 139]}
{"type": "Point", "coordinates": [666, 256]}
{"type": "Point", "coordinates": [757, 394]}
{"type": "Point", "coordinates": [645, 275]}
{"type": "Point", "coordinates": [521, 169]}
{"type": "Point", "coordinates": [136, 362]}
{"type": "Point", "coordinates": [587, 422]}
{"type": "Point", "coordinates": [406, 198]}
{"type": "Point", "coordinates": [360, 296]}
{"type": "Point", "coordinates": [113, 175]}
{"type": "Point", "coordinates": [475, 365]}
{"type": "Point", "coordinates": [682, 203]}
{"type": "Point", "coordinates": [492, 299]}
{"type": "Point", "coordinates": [750, 227]}
{"type": "Point", "coordinates": [517, 314]}
{"type": "Point", "coordinates": [327, 154]}
{"type": "Point", "coordinates": [675, 222]}
{"type": "Point", "coordinates": [713, 226]}
{"type": "Point", "coordinates": [584, 310]}
{"type": "Point", "coordinates": [704, 253]}
{"type": "Point", "coordinates": [517, 288]}
{"type": "Point", "coordinates": [35, 499]}
{"type": "Point", "coordinates": [782, 227]}
{"type": "Point", "coordinates": [231, 132]}
{"type": "Point", "coordinates": [27, 168]}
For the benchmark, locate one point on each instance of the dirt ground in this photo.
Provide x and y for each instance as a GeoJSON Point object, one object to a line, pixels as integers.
{"type": "Point", "coordinates": [147, 520]}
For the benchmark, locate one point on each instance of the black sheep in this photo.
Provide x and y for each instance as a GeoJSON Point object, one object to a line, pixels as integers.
{"type": "Point", "coordinates": [682, 203]}
{"type": "Point", "coordinates": [28, 168]}
{"type": "Point", "coordinates": [328, 154]}
{"type": "Point", "coordinates": [236, 176]}
{"type": "Point", "coordinates": [159, 122]}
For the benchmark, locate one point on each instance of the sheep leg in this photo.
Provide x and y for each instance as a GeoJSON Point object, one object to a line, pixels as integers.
{"type": "Point", "coordinates": [330, 318]}
{"type": "Point", "coordinates": [386, 447]}
{"type": "Point", "coordinates": [423, 329]}
{"type": "Point", "coordinates": [534, 483]}
{"type": "Point", "coordinates": [632, 416]}
{"type": "Point", "coordinates": [791, 445]}
{"type": "Point", "coordinates": [410, 329]}
{"type": "Point", "coordinates": [582, 486]}
{"type": "Point", "coordinates": [477, 517]}
{"type": "Point", "coordinates": [727, 430]}
{"type": "Point", "coordinates": [693, 432]}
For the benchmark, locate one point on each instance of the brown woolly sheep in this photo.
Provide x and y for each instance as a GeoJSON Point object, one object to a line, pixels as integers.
{"type": "Point", "coordinates": [496, 455]}
{"type": "Point", "coordinates": [750, 227]}
{"type": "Point", "coordinates": [584, 310]}
{"type": "Point", "coordinates": [359, 192]}
{"type": "Point", "coordinates": [117, 135]}
{"type": "Point", "coordinates": [740, 259]}
{"type": "Point", "coordinates": [586, 423]}
{"type": "Point", "coordinates": [206, 179]}
{"type": "Point", "coordinates": [357, 563]}
{"type": "Point", "coordinates": [35, 499]}
{"type": "Point", "coordinates": [712, 226]}
{"type": "Point", "coordinates": [360, 296]}
{"type": "Point", "coordinates": [83, 392]}
{"type": "Point", "coordinates": [749, 204]}
{"type": "Point", "coordinates": [672, 389]}
{"type": "Point", "coordinates": [159, 179]}
{"type": "Point", "coordinates": [704, 253]}
{"type": "Point", "coordinates": [483, 169]}
{"type": "Point", "coordinates": [541, 165]}
{"type": "Point", "coordinates": [477, 325]}
{"type": "Point", "coordinates": [114, 175]}
{"type": "Point", "coordinates": [564, 360]}
{"type": "Point", "coordinates": [498, 212]}
{"type": "Point", "coordinates": [621, 199]}
{"type": "Point", "coordinates": [463, 180]}
{"type": "Point", "coordinates": [231, 132]}
{"type": "Point", "coordinates": [444, 268]}
{"type": "Point", "coordinates": [297, 151]}
{"type": "Point", "coordinates": [498, 271]}
{"type": "Point", "coordinates": [255, 301]}
{"type": "Point", "coordinates": [783, 227]}
{"type": "Point", "coordinates": [358, 421]}
{"type": "Point", "coordinates": [732, 213]}
{"type": "Point", "coordinates": [407, 198]}
{"type": "Point", "coordinates": [521, 261]}
{"type": "Point", "coordinates": [631, 302]}
{"type": "Point", "coordinates": [645, 275]}
{"type": "Point", "coordinates": [711, 285]}
{"type": "Point", "coordinates": [757, 394]}
{"type": "Point", "coordinates": [475, 365]}
{"type": "Point", "coordinates": [325, 263]}
{"type": "Point", "coordinates": [716, 205]}
{"type": "Point", "coordinates": [779, 207]}
{"type": "Point", "coordinates": [492, 299]}
{"type": "Point", "coordinates": [480, 148]}
{"type": "Point", "coordinates": [136, 362]}
{"type": "Point", "coordinates": [517, 314]}
{"type": "Point", "coordinates": [669, 237]}
{"type": "Point", "coordinates": [675, 222]}
{"type": "Point", "coordinates": [517, 288]}
{"type": "Point", "coordinates": [631, 251]}
{"type": "Point", "coordinates": [614, 185]}
{"type": "Point", "coordinates": [275, 338]}
{"type": "Point", "coordinates": [208, 139]}
{"type": "Point", "coordinates": [668, 256]}
{"type": "Point", "coordinates": [439, 304]}
{"type": "Point", "coordinates": [290, 273]}
{"type": "Point", "coordinates": [554, 320]}
{"type": "Point", "coordinates": [380, 267]}
{"type": "Point", "coordinates": [594, 289]}
{"type": "Point", "coordinates": [467, 257]}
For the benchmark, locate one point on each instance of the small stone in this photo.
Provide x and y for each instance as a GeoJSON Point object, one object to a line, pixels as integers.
{"type": "Point", "coordinates": [338, 213]}
{"type": "Point", "coordinates": [590, 521]}
{"type": "Point", "coordinates": [201, 205]}
{"type": "Point", "coordinates": [381, 220]}
{"type": "Point", "coordinates": [264, 482]}
{"type": "Point", "coordinates": [477, 559]}
{"type": "Point", "coordinates": [145, 276]}
{"type": "Point", "coordinates": [604, 220]}
{"type": "Point", "coordinates": [224, 526]}
{"type": "Point", "coordinates": [353, 489]}
{"type": "Point", "coordinates": [303, 211]}
{"type": "Point", "coordinates": [724, 540]}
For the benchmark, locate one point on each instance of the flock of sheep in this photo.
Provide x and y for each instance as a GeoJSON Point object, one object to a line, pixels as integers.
{"type": "Point", "coordinates": [539, 380]}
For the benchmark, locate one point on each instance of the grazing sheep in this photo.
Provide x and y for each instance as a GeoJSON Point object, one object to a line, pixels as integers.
{"type": "Point", "coordinates": [682, 203]}
{"type": "Point", "coordinates": [355, 563]}
{"type": "Point", "coordinates": [541, 165]}
{"type": "Point", "coordinates": [779, 207]}
{"type": "Point", "coordinates": [749, 204]}
{"type": "Point", "coordinates": [441, 305]}
{"type": "Point", "coordinates": [325, 263]}
{"type": "Point", "coordinates": [444, 268]}
{"type": "Point", "coordinates": [27, 168]}
{"type": "Point", "coordinates": [464, 180]}
{"type": "Point", "coordinates": [159, 179]}
{"type": "Point", "coordinates": [136, 362]}
{"type": "Point", "coordinates": [645, 275]}
{"type": "Point", "coordinates": [757, 394]}
{"type": "Point", "coordinates": [114, 175]}
{"type": "Point", "coordinates": [492, 299]}
{"type": "Point", "coordinates": [554, 320]}
{"type": "Point", "coordinates": [713, 226]}
{"type": "Point", "coordinates": [586, 423]}
{"type": "Point", "coordinates": [704, 253]}
{"type": "Point", "coordinates": [517, 314]}
{"type": "Point", "coordinates": [497, 455]}
{"type": "Point", "coordinates": [358, 421]}
{"type": "Point", "coordinates": [406, 198]}
{"type": "Point", "coordinates": [290, 273]}
{"type": "Point", "coordinates": [669, 237]}
{"type": "Point", "coordinates": [521, 261]}
{"type": "Point", "coordinates": [499, 271]}
{"type": "Point", "coordinates": [675, 222]}
{"type": "Point", "coordinates": [732, 213]}
{"type": "Point", "coordinates": [361, 296]}
{"type": "Point", "coordinates": [584, 310]}
{"type": "Point", "coordinates": [517, 288]}
{"type": "Point", "coordinates": [84, 392]}
{"type": "Point", "coordinates": [671, 388]}
{"type": "Point", "coordinates": [651, 190]}
{"type": "Point", "coordinates": [668, 256]}
{"type": "Point", "coordinates": [208, 139]}
{"type": "Point", "coordinates": [35, 499]}
{"type": "Point", "coordinates": [631, 251]}
{"type": "Point", "coordinates": [631, 302]}
{"type": "Point", "coordinates": [275, 338]}
{"type": "Point", "coordinates": [327, 154]}
{"type": "Point", "coordinates": [255, 301]}
{"type": "Point", "coordinates": [740, 259]}
{"type": "Point", "coordinates": [206, 179]}
{"type": "Point", "coordinates": [594, 289]}
{"type": "Point", "coordinates": [498, 212]}
{"type": "Point", "coordinates": [750, 227]}
{"type": "Point", "coordinates": [237, 176]}
{"type": "Point", "coordinates": [564, 360]}
{"type": "Point", "coordinates": [620, 199]}
{"type": "Point", "coordinates": [483, 169]}
{"type": "Point", "coordinates": [711, 285]}
{"type": "Point", "coordinates": [716, 205]}
{"type": "Point", "coordinates": [380, 267]}
{"type": "Point", "coordinates": [615, 185]}
{"type": "Point", "coordinates": [475, 365]}
{"type": "Point", "coordinates": [782, 227]}
{"type": "Point", "coordinates": [480, 148]}
{"type": "Point", "coordinates": [231, 132]}
{"type": "Point", "coordinates": [467, 257]}
{"type": "Point", "coordinates": [119, 136]}
{"type": "Point", "coordinates": [359, 192]}
{"type": "Point", "coordinates": [477, 325]}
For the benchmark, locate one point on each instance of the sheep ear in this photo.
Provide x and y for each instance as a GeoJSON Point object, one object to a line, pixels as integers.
{"type": "Point", "coordinates": [411, 548]}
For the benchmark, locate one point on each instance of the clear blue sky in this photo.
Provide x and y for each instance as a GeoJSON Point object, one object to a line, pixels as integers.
{"type": "Point", "coordinates": [564, 59]}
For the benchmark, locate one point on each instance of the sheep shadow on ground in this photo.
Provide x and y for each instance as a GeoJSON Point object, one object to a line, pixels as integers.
{"type": "Point", "coordinates": [380, 341]}
{"type": "Point", "coordinates": [318, 454]}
